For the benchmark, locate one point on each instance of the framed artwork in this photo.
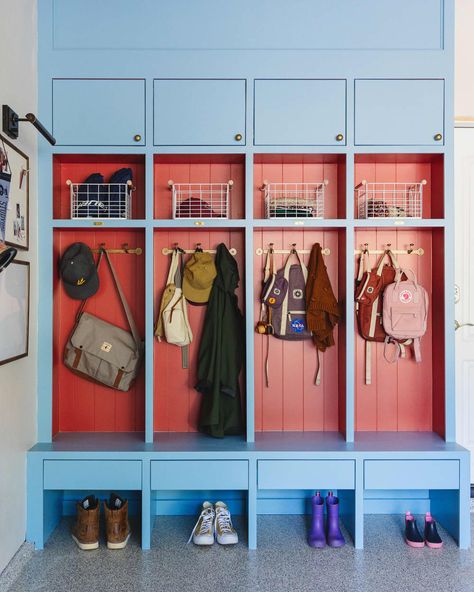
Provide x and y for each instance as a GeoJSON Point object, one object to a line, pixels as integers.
{"type": "Point", "coordinates": [14, 311]}
{"type": "Point", "coordinates": [17, 220]}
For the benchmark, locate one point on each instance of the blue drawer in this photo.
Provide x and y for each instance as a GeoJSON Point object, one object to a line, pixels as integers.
{"type": "Point", "coordinates": [199, 474]}
{"type": "Point", "coordinates": [306, 474]}
{"type": "Point", "coordinates": [92, 474]}
{"type": "Point", "coordinates": [411, 474]}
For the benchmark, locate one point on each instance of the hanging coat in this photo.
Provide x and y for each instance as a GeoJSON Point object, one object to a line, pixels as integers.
{"type": "Point", "coordinates": [322, 309]}
{"type": "Point", "coordinates": [221, 353]}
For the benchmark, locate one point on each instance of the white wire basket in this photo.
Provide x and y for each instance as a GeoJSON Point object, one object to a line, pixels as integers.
{"type": "Point", "coordinates": [390, 200]}
{"type": "Point", "coordinates": [200, 200]}
{"type": "Point", "coordinates": [101, 200]}
{"type": "Point", "coordinates": [294, 200]}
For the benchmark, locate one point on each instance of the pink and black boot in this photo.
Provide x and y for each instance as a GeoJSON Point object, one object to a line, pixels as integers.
{"type": "Point", "coordinates": [432, 538]}
{"type": "Point", "coordinates": [334, 534]}
{"type": "Point", "coordinates": [316, 536]}
{"type": "Point", "coordinates": [413, 537]}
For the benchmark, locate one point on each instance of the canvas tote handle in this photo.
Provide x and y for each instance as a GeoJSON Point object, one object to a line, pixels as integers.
{"type": "Point", "coordinates": [123, 300]}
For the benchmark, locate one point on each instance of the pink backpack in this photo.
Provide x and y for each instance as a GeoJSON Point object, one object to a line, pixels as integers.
{"type": "Point", "coordinates": [405, 314]}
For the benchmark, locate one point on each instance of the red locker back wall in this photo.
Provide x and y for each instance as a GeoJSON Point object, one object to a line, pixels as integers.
{"type": "Point", "coordinates": [80, 405]}
{"type": "Point", "coordinates": [176, 402]}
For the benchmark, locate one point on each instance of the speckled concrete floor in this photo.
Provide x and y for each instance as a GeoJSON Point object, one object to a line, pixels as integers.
{"type": "Point", "coordinates": [283, 562]}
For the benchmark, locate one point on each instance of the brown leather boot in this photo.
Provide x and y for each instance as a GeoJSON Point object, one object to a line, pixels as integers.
{"type": "Point", "coordinates": [117, 526]}
{"type": "Point", "coordinates": [86, 529]}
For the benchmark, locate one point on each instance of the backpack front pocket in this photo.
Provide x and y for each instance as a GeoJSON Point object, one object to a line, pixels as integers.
{"type": "Point", "coordinates": [406, 319]}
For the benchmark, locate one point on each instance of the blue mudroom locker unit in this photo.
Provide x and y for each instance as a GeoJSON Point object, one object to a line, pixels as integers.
{"type": "Point", "coordinates": [344, 95]}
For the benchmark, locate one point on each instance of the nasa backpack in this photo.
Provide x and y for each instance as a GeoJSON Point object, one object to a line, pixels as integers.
{"type": "Point", "coordinates": [284, 294]}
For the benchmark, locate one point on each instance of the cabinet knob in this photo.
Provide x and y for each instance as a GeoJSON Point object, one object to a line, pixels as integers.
{"type": "Point", "coordinates": [438, 137]}
{"type": "Point", "coordinates": [137, 138]}
{"type": "Point", "coordinates": [339, 137]}
{"type": "Point", "coordinates": [238, 137]}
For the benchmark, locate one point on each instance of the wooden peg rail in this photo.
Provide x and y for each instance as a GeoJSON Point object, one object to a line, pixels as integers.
{"type": "Point", "coordinates": [420, 251]}
{"type": "Point", "coordinates": [260, 251]}
{"type": "Point", "coordinates": [166, 251]}
{"type": "Point", "coordinates": [123, 251]}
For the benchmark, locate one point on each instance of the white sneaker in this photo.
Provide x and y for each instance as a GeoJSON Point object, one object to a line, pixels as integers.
{"type": "Point", "coordinates": [203, 531]}
{"type": "Point", "coordinates": [225, 532]}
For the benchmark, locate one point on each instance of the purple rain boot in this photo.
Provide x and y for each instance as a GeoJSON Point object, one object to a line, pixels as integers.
{"type": "Point", "coordinates": [334, 534]}
{"type": "Point", "coordinates": [316, 536]}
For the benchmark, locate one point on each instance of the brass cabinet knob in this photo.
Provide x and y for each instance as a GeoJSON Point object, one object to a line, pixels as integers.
{"type": "Point", "coordinates": [238, 137]}
{"type": "Point", "coordinates": [137, 138]}
{"type": "Point", "coordinates": [438, 137]}
{"type": "Point", "coordinates": [339, 137]}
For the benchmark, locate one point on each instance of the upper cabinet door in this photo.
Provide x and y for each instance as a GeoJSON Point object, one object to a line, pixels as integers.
{"type": "Point", "coordinates": [99, 112]}
{"type": "Point", "coordinates": [399, 112]}
{"type": "Point", "coordinates": [193, 112]}
{"type": "Point", "coordinates": [300, 112]}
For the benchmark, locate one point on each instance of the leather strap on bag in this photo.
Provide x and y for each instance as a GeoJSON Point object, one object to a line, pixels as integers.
{"type": "Point", "coordinates": [123, 300]}
{"type": "Point", "coordinates": [268, 272]}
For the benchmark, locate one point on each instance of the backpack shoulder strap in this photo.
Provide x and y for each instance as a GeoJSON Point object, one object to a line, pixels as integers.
{"type": "Point", "coordinates": [391, 255]}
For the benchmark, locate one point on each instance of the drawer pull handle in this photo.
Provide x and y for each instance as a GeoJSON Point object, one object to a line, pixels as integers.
{"type": "Point", "coordinates": [438, 137]}
{"type": "Point", "coordinates": [137, 138]}
{"type": "Point", "coordinates": [339, 137]}
{"type": "Point", "coordinates": [238, 137]}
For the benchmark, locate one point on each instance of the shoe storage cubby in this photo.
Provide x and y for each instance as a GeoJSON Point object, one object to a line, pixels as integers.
{"type": "Point", "coordinates": [292, 402]}
{"type": "Point", "coordinates": [294, 186]}
{"type": "Point", "coordinates": [176, 402]}
{"type": "Point", "coordinates": [405, 396]}
{"type": "Point", "coordinates": [398, 186]}
{"type": "Point", "coordinates": [80, 405]}
{"type": "Point", "coordinates": [201, 182]}
{"type": "Point", "coordinates": [76, 168]}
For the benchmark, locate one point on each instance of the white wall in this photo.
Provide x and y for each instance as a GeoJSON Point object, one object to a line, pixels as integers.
{"type": "Point", "coordinates": [18, 82]}
{"type": "Point", "coordinates": [464, 73]}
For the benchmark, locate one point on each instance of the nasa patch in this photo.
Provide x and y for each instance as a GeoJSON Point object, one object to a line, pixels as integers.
{"type": "Point", "coordinates": [297, 325]}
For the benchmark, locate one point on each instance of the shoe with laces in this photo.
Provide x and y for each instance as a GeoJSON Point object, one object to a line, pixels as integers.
{"type": "Point", "coordinates": [225, 532]}
{"type": "Point", "coordinates": [203, 531]}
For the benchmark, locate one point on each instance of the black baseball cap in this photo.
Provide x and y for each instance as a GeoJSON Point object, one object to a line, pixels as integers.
{"type": "Point", "coordinates": [78, 272]}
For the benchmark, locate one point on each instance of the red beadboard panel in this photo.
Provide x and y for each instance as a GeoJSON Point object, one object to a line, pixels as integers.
{"type": "Point", "coordinates": [80, 405]}
{"type": "Point", "coordinates": [199, 168]}
{"type": "Point", "coordinates": [292, 402]}
{"type": "Point", "coordinates": [77, 168]}
{"type": "Point", "coordinates": [406, 168]}
{"type": "Point", "coordinates": [302, 168]}
{"type": "Point", "coordinates": [439, 409]}
{"type": "Point", "coordinates": [176, 402]}
{"type": "Point", "coordinates": [402, 396]}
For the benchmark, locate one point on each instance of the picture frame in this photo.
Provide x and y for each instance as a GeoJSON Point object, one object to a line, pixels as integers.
{"type": "Point", "coordinates": [14, 311]}
{"type": "Point", "coordinates": [17, 229]}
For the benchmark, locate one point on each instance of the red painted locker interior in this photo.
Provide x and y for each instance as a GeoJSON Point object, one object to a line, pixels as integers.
{"type": "Point", "coordinates": [199, 168]}
{"type": "Point", "coordinates": [292, 402]}
{"type": "Point", "coordinates": [176, 402]}
{"type": "Point", "coordinates": [302, 168]}
{"type": "Point", "coordinates": [80, 405]}
{"type": "Point", "coordinates": [77, 168]}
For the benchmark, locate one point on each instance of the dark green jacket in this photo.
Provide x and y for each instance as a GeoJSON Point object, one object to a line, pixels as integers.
{"type": "Point", "coordinates": [221, 353]}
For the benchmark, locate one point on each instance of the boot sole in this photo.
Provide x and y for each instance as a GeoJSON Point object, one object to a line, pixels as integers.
{"type": "Point", "coordinates": [434, 545]}
{"type": "Point", "coordinates": [414, 544]}
{"type": "Point", "coordinates": [121, 545]}
{"type": "Point", "coordinates": [86, 546]}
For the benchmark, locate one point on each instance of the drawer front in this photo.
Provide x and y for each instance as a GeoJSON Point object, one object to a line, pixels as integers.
{"type": "Point", "coordinates": [300, 112]}
{"type": "Point", "coordinates": [199, 474]}
{"type": "Point", "coordinates": [411, 474]}
{"type": "Point", "coordinates": [306, 474]}
{"type": "Point", "coordinates": [399, 112]}
{"type": "Point", "coordinates": [199, 112]}
{"type": "Point", "coordinates": [99, 112]}
{"type": "Point", "coordinates": [92, 474]}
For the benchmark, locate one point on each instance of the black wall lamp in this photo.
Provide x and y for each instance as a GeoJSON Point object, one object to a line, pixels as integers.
{"type": "Point", "coordinates": [11, 120]}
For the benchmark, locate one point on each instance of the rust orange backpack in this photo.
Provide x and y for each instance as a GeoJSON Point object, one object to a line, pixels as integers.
{"type": "Point", "coordinates": [370, 286]}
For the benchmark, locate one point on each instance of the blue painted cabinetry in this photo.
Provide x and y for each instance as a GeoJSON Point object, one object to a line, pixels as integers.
{"type": "Point", "coordinates": [300, 112]}
{"type": "Point", "coordinates": [203, 85]}
{"type": "Point", "coordinates": [99, 112]}
{"type": "Point", "coordinates": [399, 112]}
{"type": "Point", "coordinates": [199, 112]}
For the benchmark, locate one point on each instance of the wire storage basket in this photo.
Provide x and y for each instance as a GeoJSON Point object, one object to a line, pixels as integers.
{"type": "Point", "coordinates": [390, 200]}
{"type": "Point", "coordinates": [200, 200]}
{"type": "Point", "coordinates": [101, 200]}
{"type": "Point", "coordinates": [294, 200]}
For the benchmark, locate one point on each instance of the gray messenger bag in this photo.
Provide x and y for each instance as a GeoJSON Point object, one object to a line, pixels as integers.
{"type": "Point", "coordinates": [101, 352]}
